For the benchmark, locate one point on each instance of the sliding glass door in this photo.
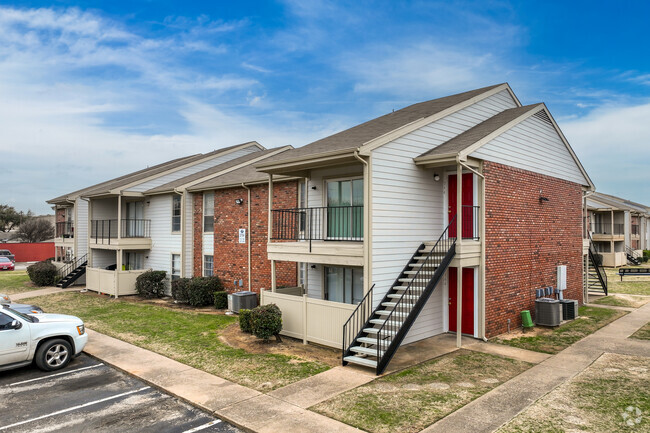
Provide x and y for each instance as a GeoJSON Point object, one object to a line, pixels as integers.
{"type": "Point", "coordinates": [345, 209]}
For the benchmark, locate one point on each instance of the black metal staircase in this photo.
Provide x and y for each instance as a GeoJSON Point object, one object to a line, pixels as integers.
{"type": "Point", "coordinates": [596, 277]}
{"type": "Point", "coordinates": [633, 257]}
{"type": "Point", "coordinates": [371, 337]}
{"type": "Point", "coordinates": [72, 271]}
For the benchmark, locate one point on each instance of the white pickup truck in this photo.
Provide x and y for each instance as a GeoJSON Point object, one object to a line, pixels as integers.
{"type": "Point", "coordinates": [49, 340]}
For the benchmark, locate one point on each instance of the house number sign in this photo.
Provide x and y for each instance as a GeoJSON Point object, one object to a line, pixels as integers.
{"type": "Point", "coordinates": [242, 236]}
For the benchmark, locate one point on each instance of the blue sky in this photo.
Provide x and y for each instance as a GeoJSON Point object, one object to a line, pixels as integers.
{"type": "Point", "coordinates": [92, 90]}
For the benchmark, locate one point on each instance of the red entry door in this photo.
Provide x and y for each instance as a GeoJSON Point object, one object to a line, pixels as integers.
{"type": "Point", "coordinates": [467, 200]}
{"type": "Point", "coordinates": [467, 325]}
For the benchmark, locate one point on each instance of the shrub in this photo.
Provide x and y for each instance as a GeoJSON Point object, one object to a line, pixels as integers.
{"type": "Point", "coordinates": [221, 300]}
{"type": "Point", "coordinates": [180, 289]}
{"type": "Point", "coordinates": [245, 320]}
{"type": "Point", "coordinates": [201, 290]}
{"type": "Point", "coordinates": [266, 321]}
{"type": "Point", "coordinates": [151, 284]}
{"type": "Point", "coordinates": [646, 254]}
{"type": "Point", "coordinates": [42, 273]}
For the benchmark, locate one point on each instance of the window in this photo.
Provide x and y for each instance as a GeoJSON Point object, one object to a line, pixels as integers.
{"type": "Point", "coordinates": [5, 321]}
{"type": "Point", "coordinates": [132, 261]}
{"type": "Point", "coordinates": [208, 266]}
{"type": "Point", "coordinates": [208, 212]}
{"type": "Point", "coordinates": [344, 285]}
{"type": "Point", "coordinates": [176, 213]}
{"type": "Point", "coordinates": [176, 266]}
{"type": "Point", "coordinates": [345, 209]}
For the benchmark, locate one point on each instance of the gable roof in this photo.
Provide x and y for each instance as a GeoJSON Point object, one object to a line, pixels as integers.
{"type": "Point", "coordinates": [353, 138]}
{"type": "Point", "coordinates": [134, 175]}
{"type": "Point", "coordinates": [614, 202]}
{"type": "Point", "coordinates": [216, 170]}
{"type": "Point", "coordinates": [120, 183]}
{"type": "Point", "coordinates": [247, 175]}
{"type": "Point", "coordinates": [465, 140]}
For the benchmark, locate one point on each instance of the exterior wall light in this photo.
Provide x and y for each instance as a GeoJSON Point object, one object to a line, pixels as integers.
{"type": "Point", "coordinates": [436, 177]}
{"type": "Point", "coordinates": [239, 201]}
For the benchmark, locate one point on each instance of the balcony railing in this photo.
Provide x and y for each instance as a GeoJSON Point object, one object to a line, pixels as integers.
{"type": "Point", "coordinates": [65, 229]}
{"type": "Point", "coordinates": [105, 230]}
{"type": "Point", "coordinates": [606, 229]}
{"type": "Point", "coordinates": [635, 229]}
{"type": "Point", "coordinates": [470, 223]}
{"type": "Point", "coordinates": [335, 223]}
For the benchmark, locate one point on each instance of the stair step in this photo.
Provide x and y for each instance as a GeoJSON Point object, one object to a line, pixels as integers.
{"type": "Point", "coordinates": [395, 323]}
{"type": "Point", "coordinates": [394, 304]}
{"type": "Point", "coordinates": [366, 350]}
{"type": "Point", "coordinates": [375, 331]}
{"type": "Point", "coordinates": [369, 340]}
{"type": "Point", "coordinates": [405, 280]}
{"type": "Point", "coordinates": [387, 312]}
{"type": "Point", "coordinates": [361, 361]}
{"type": "Point", "coordinates": [405, 297]}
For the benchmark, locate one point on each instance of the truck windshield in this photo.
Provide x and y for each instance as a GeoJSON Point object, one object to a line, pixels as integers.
{"type": "Point", "coordinates": [30, 319]}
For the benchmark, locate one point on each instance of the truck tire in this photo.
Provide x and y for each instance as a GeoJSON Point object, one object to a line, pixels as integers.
{"type": "Point", "coordinates": [53, 355]}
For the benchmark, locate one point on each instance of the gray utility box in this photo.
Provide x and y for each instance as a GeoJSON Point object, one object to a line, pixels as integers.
{"type": "Point", "coordinates": [242, 300]}
{"type": "Point", "coordinates": [548, 312]}
{"type": "Point", "coordinates": [569, 309]}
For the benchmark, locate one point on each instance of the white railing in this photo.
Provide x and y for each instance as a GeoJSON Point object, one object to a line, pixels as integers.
{"type": "Point", "coordinates": [114, 283]}
{"type": "Point", "coordinates": [311, 320]}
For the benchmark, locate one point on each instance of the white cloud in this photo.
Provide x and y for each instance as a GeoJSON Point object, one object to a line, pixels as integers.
{"type": "Point", "coordinates": [613, 144]}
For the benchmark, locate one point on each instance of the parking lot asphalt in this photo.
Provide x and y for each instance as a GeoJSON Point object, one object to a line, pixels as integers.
{"type": "Point", "coordinates": [89, 396]}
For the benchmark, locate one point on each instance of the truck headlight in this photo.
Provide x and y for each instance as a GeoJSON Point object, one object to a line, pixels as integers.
{"type": "Point", "coordinates": [81, 329]}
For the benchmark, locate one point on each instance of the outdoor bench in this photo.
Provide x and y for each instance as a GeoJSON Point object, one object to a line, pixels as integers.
{"type": "Point", "coordinates": [634, 271]}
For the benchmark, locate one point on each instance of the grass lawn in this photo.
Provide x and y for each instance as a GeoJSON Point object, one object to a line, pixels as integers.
{"type": "Point", "coordinates": [623, 300]}
{"type": "Point", "coordinates": [552, 341]}
{"type": "Point", "coordinates": [15, 282]}
{"type": "Point", "coordinates": [643, 333]}
{"type": "Point", "coordinates": [612, 395]}
{"type": "Point", "coordinates": [188, 337]}
{"type": "Point", "coordinates": [411, 399]}
{"type": "Point", "coordinates": [629, 285]}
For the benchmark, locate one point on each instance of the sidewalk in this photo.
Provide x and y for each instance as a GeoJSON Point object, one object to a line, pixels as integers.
{"type": "Point", "coordinates": [492, 410]}
{"type": "Point", "coordinates": [281, 410]}
{"type": "Point", "coordinates": [41, 292]}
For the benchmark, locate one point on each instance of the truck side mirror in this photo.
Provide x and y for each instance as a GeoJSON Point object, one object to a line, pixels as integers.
{"type": "Point", "coordinates": [16, 324]}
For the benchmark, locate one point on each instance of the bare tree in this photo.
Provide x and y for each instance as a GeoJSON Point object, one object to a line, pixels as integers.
{"type": "Point", "coordinates": [10, 218]}
{"type": "Point", "coordinates": [35, 230]}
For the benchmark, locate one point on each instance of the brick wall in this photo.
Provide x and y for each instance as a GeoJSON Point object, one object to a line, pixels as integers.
{"type": "Point", "coordinates": [197, 215]}
{"type": "Point", "coordinates": [60, 215]}
{"type": "Point", "coordinates": [526, 240]}
{"type": "Point", "coordinates": [231, 257]}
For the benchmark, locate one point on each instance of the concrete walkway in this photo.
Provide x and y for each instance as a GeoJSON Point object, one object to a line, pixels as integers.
{"type": "Point", "coordinates": [281, 410]}
{"type": "Point", "coordinates": [492, 410]}
{"type": "Point", "coordinates": [41, 292]}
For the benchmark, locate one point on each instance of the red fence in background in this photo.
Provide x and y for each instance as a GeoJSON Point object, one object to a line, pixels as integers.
{"type": "Point", "coordinates": [30, 252]}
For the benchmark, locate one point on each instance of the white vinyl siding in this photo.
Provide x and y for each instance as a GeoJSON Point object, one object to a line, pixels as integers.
{"type": "Point", "coordinates": [163, 241]}
{"type": "Point", "coordinates": [179, 174]}
{"type": "Point", "coordinates": [103, 258]}
{"type": "Point", "coordinates": [81, 228]}
{"type": "Point", "coordinates": [315, 281]}
{"type": "Point", "coordinates": [189, 235]}
{"type": "Point", "coordinates": [408, 205]}
{"type": "Point", "coordinates": [533, 145]}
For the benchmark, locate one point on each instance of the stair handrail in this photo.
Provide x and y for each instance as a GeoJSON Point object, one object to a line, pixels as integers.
{"type": "Point", "coordinates": [65, 270]}
{"type": "Point", "coordinates": [449, 246]}
{"type": "Point", "coordinates": [358, 319]}
{"type": "Point", "coordinates": [602, 276]}
{"type": "Point", "coordinates": [632, 252]}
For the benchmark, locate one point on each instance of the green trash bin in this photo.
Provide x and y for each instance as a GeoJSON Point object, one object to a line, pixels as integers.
{"type": "Point", "coordinates": [526, 320]}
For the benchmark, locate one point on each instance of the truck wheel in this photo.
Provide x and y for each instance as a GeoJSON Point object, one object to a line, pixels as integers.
{"type": "Point", "coordinates": [53, 355]}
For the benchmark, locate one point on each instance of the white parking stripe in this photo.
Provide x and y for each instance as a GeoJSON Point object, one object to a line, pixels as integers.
{"type": "Point", "coordinates": [55, 375]}
{"type": "Point", "coordinates": [204, 426]}
{"type": "Point", "coordinates": [124, 394]}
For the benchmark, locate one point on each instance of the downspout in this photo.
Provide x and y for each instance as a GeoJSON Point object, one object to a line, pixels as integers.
{"type": "Point", "coordinates": [250, 286]}
{"type": "Point", "coordinates": [366, 222]}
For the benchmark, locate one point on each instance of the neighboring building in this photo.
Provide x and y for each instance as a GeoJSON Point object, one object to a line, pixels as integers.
{"type": "Point", "coordinates": [382, 206]}
{"type": "Point", "coordinates": [619, 228]}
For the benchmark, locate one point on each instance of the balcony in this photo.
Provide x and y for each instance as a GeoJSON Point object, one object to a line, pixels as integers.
{"type": "Point", "coordinates": [329, 235]}
{"type": "Point", "coordinates": [64, 233]}
{"type": "Point", "coordinates": [134, 233]}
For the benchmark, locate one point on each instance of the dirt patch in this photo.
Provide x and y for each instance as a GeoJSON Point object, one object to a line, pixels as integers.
{"type": "Point", "coordinates": [234, 337]}
{"type": "Point", "coordinates": [623, 300]}
{"type": "Point", "coordinates": [611, 395]}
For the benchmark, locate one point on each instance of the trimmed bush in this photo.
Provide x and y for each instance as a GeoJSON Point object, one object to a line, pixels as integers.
{"type": "Point", "coordinates": [180, 289]}
{"type": "Point", "coordinates": [221, 300]}
{"type": "Point", "coordinates": [151, 284]}
{"type": "Point", "coordinates": [201, 290]}
{"type": "Point", "coordinates": [266, 321]}
{"type": "Point", "coordinates": [42, 273]}
{"type": "Point", "coordinates": [245, 317]}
